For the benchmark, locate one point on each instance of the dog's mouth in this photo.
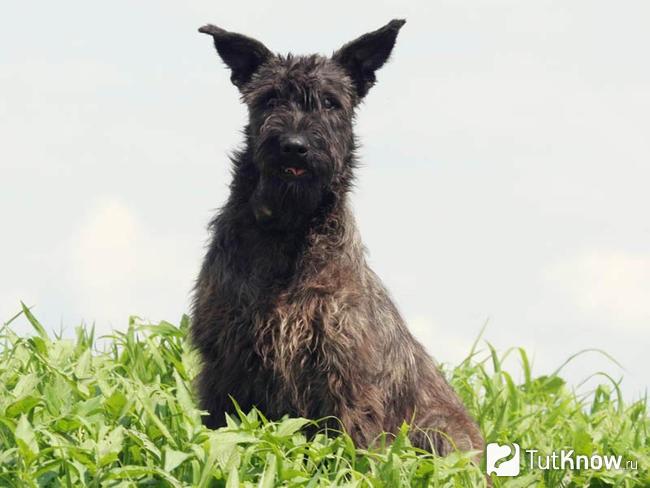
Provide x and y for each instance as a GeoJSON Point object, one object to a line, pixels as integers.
{"type": "Point", "coordinates": [294, 171]}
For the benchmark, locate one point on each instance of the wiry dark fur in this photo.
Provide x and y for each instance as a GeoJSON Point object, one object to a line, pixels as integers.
{"type": "Point", "coordinates": [288, 317]}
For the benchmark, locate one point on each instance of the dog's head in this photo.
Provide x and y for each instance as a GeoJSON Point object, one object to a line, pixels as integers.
{"type": "Point", "coordinates": [301, 111]}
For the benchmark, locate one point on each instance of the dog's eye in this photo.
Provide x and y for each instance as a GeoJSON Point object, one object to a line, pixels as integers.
{"type": "Point", "coordinates": [328, 103]}
{"type": "Point", "coordinates": [272, 102]}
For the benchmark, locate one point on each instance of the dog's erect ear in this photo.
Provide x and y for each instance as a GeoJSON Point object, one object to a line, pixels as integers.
{"type": "Point", "coordinates": [365, 55]}
{"type": "Point", "coordinates": [242, 54]}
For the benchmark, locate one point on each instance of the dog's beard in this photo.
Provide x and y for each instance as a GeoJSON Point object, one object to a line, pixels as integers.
{"type": "Point", "coordinates": [281, 205]}
{"type": "Point", "coordinates": [290, 190]}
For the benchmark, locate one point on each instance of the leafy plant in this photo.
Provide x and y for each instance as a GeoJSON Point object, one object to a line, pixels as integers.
{"type": "Point", "coordinates": [119, 412]}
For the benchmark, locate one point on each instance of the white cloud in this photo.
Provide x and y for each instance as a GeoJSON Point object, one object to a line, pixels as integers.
{"type": "Point", "coordinates": [118, 266]}
{"type": "Point", "coordinates": [442, 343]}
{"type": "Point", "coordinates": [612, 284]}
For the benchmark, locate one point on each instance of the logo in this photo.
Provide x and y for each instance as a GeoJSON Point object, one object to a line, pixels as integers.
{"type": "Point", "coordinates": [502, 460]}
{"type": "Point", "coordinates": [505, 460]}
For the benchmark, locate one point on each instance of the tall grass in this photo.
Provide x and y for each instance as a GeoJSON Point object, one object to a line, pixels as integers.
{"type": "Point", "coordinates": [121, 415]}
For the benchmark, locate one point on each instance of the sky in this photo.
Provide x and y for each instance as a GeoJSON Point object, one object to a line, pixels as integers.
{"type": "Point", "coordinates": [504, 181]}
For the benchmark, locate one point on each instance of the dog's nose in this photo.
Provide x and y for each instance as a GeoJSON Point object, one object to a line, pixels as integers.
{"type": "Point", "coordinates": [294, 145]}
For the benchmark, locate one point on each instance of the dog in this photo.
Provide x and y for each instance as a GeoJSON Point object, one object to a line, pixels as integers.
{"type": "Point", "coordinates": [287, 315]}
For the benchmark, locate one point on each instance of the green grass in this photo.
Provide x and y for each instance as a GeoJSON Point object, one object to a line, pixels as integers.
{"type": "Point", "coordinates": [123, 414]}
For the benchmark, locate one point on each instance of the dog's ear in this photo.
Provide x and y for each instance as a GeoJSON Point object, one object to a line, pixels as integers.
{"type": "Point", "coordinates": [242, 54]}
{"type": "Point", "coordinates": [365, 55]}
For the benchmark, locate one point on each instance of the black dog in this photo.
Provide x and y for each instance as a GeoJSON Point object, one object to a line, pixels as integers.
{"type": "Point", "coordinates": [287, 315]}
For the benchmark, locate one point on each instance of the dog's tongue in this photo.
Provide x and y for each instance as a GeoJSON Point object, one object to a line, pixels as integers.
{"type": "Point", "coordinates": [295, 171]}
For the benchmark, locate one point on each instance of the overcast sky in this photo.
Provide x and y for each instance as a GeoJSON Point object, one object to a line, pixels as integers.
{"type": "Point", "coordinates": [506, 164]}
